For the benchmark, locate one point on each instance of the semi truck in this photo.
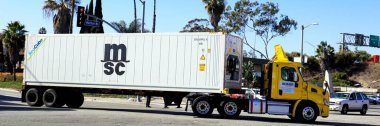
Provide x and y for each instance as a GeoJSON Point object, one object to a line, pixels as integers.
{"type": "Point", "coordinates": [204, 67]}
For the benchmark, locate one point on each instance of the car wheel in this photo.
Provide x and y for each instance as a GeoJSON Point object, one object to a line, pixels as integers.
{"type": "Point", "coordinates": [202, 106]}
{"type": "Point", "coordinates": [364, 110]}
{"type": "Point", "coordinates": [374, 102]}
{"type": "Point", "coordinates": [344, 109]}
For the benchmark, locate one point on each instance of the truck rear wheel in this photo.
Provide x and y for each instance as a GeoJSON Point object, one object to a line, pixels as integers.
{"type": "Point", "coordinates": [306, 113]}
{"type": "Point", "coordinates": [75, 100]}
{"type": "Point", "coordinates": [229, 109]}
{"type": "Point", "coordinates": [202, 106]}
{"type": "Point", "coordinates": [33, 97]}
{"type": "Point", "coordinates": [52, 98]}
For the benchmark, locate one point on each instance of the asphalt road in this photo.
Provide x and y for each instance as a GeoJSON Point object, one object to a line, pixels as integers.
{"type": "Point", "coordinates": [120, 112]}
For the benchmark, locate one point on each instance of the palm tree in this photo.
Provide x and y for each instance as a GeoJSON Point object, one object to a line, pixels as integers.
{"type": "Point", "coordinates": [154, 17]}
{"type": "Point", "coordinates": [60, 10]}
{"type": "Point", "coordinates": [325, 54]}
{"type": "Point", "coordinates": [132, 28]}
{"type": "Point", "coordinates": [14, 41]}
{"type": "Point", "coordinates": [215, 9]}
{"type": "Point", "coordinates": [42, 30]}
{"type": "Point", "coordinates": [134, 3]}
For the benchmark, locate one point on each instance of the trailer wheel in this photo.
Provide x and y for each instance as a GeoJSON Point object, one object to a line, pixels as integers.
{"type": "Point", "coordinates": [306, 113]}
{"type": "Point", "coordinates": [75, 100]}
{"type": "Point", "coordinates": [33, 97]}
{"type": "Point", "coordinates": [229, 109]}
{"type": "Point", "coordinates": [52, 98]}
{"type": "Point", "coordinates": [202, 106]}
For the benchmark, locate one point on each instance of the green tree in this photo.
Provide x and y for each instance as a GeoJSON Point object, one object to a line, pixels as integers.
{"type": "Point", "coordinates": [1, 53]}
{"type": "Point", "coordinates": [132, 28]}
{"type": "Point", "coordinates": [60, 10]}
{"type": "Point", "coordinates": [42, 30]}
{"type": "Point", "coordinates": [248, 68]}
{"type": "Point", "coordinates": [325, 53]}
{"type": "Point", "coordinates": [215, 9]}
{"type": "Point", "coordinates": [197, 25]}
{"type": "Point", "coordinates": [99, 14]}
{"type": "Point", "coordinates": [262, 18]}
{"type": "Point", "coordinates": [362, 56]}
{"type": "Point", "coordinates": [14, 41]}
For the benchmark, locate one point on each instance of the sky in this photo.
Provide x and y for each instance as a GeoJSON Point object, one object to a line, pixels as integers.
{"type": "Point", "coordinates": [333, 16]}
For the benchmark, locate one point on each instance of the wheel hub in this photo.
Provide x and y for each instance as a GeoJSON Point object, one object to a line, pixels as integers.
{"type": "Point", "coordinates": [230, 108]}
{"type": "Point", "coordinates": [203, 107]}
{"type": "Point", "coordinates": [308, 113]}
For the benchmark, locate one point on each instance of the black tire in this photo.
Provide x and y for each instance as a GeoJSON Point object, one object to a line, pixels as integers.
{"type": "Point", "coordinates": [364, 110]}
{"type": "Point", "coordinates": [74, 100]}
{"type": "Point", "coordinates": [344, 109]}
{"type": "Point", "coordinates": [374, 102]}
{"type": "Point", "coordinates": [202, 107]}
{"type": "Point", "coordinates": [33, 97]}
{"type": "Point", "coordinates": [306, 113]}
{"type": "Point", "coordinates": [52, 98]}
{"type": "Point", "coordinates": [229, 109]}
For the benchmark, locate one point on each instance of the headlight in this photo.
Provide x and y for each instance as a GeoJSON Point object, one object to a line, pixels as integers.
{"type": "Point", "coordinates": [338, 103]}
{"type": "Point", "coordinates": [325, 101]}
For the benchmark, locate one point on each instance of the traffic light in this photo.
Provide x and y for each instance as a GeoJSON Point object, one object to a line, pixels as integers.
{"type": "Point", "coordinates": [80, 16]}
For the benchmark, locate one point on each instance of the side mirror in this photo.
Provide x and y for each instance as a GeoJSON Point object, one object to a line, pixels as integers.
{"type": "Point", "coordinates": [351, 98]}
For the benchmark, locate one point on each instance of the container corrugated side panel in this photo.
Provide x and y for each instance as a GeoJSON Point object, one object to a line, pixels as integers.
{"type": "Point", "coordinates": [157, 61]}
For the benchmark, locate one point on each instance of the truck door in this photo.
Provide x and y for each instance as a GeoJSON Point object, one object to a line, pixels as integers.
{"type": "Point", "coordinates": [288, 84]}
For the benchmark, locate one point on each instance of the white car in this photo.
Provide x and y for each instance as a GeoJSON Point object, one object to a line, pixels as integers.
{"type": "Point", "coordinates": [374, 99]}
{"type": "Point", "coordinates": [349, 102]}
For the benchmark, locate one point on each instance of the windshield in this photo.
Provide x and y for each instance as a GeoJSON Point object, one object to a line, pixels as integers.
{"type": "Point", "coordinates": [341, 95]}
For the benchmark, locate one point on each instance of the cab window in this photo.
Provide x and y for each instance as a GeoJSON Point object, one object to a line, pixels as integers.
{"type": "Point", "coordinates": [233, 68]}
{"type": "Point", "coordinates": [289, 74]}
{"type": "Point", "coordinates": [352, 96]}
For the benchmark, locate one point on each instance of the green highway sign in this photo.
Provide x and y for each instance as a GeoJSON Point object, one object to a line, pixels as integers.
{"type": "Point", "coordinates": [374, 41]}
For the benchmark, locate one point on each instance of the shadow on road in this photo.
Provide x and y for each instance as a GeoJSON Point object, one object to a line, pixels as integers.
{"type": "Point", "coordinates": [215, 116]}
{"type": "Point", "coordinates": [7, 103]}
{"type": "Point", "coordinates": [9, 98]}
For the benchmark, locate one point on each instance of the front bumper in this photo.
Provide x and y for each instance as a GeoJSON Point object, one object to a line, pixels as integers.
{"type": "Point", "coordinates": [335, 107]}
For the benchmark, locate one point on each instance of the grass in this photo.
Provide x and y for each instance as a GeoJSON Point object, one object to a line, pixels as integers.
{"type": "Point", "coordinates": [7, 82]}
{"type": "Point", "coordinates": [17, 85]}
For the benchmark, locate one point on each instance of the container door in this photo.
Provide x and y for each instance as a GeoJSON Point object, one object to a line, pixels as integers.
{"type": "Point", "coordinates": [288, 84]}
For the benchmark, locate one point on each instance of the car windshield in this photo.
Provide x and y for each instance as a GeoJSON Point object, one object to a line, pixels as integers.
{"type": "Point", "coordinates": [341, 95]}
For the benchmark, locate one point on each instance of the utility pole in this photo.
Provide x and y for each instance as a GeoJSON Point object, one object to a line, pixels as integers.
{"type": "Point", "coordinates": [72, 16]}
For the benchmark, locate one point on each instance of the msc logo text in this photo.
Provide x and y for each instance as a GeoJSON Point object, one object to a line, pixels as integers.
{"type": "Point", "coordinates": [115, 63]}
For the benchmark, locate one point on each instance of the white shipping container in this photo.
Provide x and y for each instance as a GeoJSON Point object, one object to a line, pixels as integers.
{"type": "Point", "coordinates": [185, 62]}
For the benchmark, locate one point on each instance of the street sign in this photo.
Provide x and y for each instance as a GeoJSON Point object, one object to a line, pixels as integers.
{"type": "Point", "coordinates": [374, 41]}
{"type": "Point", "coordinates": [92, 23]}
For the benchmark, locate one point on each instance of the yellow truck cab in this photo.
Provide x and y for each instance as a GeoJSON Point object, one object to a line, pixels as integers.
{"type": "Point", "coordinates": [283, 91]}
{"type": "Point", "coordinates": [286, 88]}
